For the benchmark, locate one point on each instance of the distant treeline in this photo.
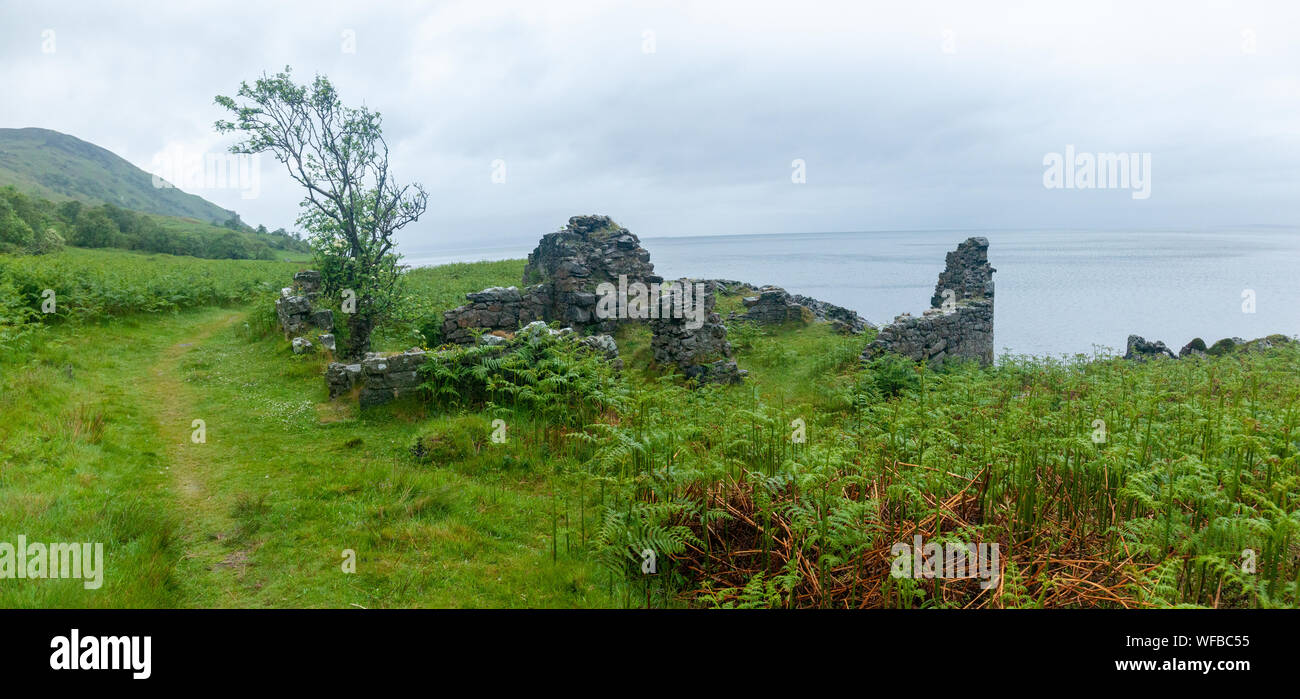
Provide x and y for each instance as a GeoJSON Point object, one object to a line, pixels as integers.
{"type": "Point", "coordinates": [34, 225]}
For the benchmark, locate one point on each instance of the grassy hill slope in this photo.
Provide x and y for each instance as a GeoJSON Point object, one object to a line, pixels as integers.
{"type": "Point", "coordinates": [60, 167]}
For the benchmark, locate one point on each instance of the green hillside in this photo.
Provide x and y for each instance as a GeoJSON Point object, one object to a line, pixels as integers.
{"type": "Point", "coordinates": [60, 167]}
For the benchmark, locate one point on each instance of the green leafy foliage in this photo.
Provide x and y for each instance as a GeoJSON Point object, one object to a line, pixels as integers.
{"type": "Point", "coordinates": [94, 285]}
{"type": "Point", "coordinates": [32, 225]}
{"type": "Point", "coordinates": [552, 378]}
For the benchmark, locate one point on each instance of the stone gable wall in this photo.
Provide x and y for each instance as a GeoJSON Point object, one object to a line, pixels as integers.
{"type": "Point", "coordinates": [959, 325]}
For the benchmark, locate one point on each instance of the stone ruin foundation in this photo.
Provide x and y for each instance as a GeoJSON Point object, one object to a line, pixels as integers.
{"type": "Point", "coordinates": [382, 378]}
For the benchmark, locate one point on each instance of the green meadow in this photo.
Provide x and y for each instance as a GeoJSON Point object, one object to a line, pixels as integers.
{"type": "Point", "coordinates": [1104, 483]}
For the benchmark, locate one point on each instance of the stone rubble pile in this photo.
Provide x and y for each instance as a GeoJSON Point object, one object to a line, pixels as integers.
{"type": "Point", "coordinates": [1138, 347]}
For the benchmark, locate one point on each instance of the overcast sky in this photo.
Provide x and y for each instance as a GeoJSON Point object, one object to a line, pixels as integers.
{"type": "Point", "coordinates": [684, 119]}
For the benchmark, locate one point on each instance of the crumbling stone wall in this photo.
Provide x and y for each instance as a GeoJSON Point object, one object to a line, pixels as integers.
{"type": "Point", "coordinates": [844, 320]}
{"type": "Point", "coordinates": [381, 377]}
{"type": "Point", "coordinates": [297, 312]}
{"type": "Point", "coordinates": [702, 353]}
{"type": "Point", "coordinates": [496, 308]}
{"type": "Point", "coordinates": [772, 304]}
{"type": "Point", "coordinates": [959, 323]}
{"type": "Point", "coordinates": [966, 272]}
{"type": "Point", "coordinates": [561, 283]}
{"type": "Point", "coordinates": [385, 377]}
{"type": "Point", "coordinates": [390, 377]}
{"type": "Point", "coordinates": [577, 258]}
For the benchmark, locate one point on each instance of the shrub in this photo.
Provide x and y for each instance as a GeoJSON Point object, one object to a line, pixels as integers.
{"type": "Point", "coordinates": [554, 378]}
{"type": "Point", "coordinates": [892, 375]}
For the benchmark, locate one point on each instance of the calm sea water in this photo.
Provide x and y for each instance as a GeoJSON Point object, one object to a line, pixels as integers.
{"type": "Point", "coordinates": [1057, 292]}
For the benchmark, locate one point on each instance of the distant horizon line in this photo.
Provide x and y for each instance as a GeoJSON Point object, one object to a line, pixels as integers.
{"type": "Point", "coordinates": [972, 231]}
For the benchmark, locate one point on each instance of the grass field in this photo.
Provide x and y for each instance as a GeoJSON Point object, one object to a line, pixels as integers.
{"type": "Point", "coordinates": [1197, 462]}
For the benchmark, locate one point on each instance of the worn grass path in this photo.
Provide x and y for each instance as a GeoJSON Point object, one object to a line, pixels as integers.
{"type": "Point", "coordinates": [205, 519]}
{"type": "Point", "coordinates": [95, 445]}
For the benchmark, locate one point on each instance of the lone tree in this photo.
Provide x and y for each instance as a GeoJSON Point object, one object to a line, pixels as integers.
{"type": "Point", "coordinates": [353, 207]}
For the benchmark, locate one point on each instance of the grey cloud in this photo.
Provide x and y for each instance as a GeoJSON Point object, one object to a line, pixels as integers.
{"type": "Point", "coordinates": [697, 138]}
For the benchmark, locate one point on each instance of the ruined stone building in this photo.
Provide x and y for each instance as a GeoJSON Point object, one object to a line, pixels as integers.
{"type": "Point", "coordinates": [959, 322]}
{"type": "Point", "coordinates": [562, 283]}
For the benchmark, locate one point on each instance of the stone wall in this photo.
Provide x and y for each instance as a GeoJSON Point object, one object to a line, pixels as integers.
{"type": "Point", "coordinates": [561, 280]}
{"type": "Point", "coordinates": [966, 272]}
{"type": "Point", "coordinates": [298, 315]}
{"type": "Point", "coordinates": [496, 308]}
{"type": "Point", "coordinates": [842, 319]}
{"type": "Point", "coordinates": [772, 304]}
{"type": "Point", "coordinates": [577, 258]}
{"type": "Point", "coordinates": [381, 377]}
{"type": "Point", "coordinates": [701, 353]}
{"type": "Point", "coordinates": [959, 324]}
{"type": "Point", "coordinates": [934, 336]}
